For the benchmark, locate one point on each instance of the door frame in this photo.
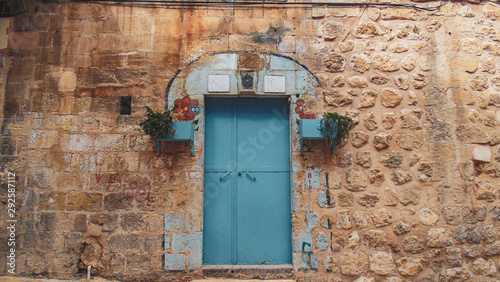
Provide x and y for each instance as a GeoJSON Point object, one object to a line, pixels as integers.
{"type": "Point", "coordinates": [290, 128]}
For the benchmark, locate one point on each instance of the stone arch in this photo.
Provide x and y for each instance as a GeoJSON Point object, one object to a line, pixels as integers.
{"type": "Point", "coordinates": [224, 73]}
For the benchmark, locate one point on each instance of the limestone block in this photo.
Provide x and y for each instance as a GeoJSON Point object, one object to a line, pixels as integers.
{"type": "Point", "coordinates": [399, 47]}
{"type": "Point", "coordinates": [408, 62]}
{"type": "Point", "coordinates": [390, 97]}
{"type": "Point", "coordinates": [482, 154]}
{"type": "Point", "coordinates": [334, 180]}
{"type": "Point", "coordinates": [411, 266]}
{"type": "Point", "coordinates": [394, 13]}
{"type": "Point", "coordinates": [376, 177]}
{"type": "Point", "coordinates": [428, 217]}
{"type": "Point", "coordinates": [400, 227]}
{"type": "Point", "coordinates": [331, 264]}
{"type": "Point", "coordinates": [369, 200]}
{"type": "Point", "coordinates": [346, 46]}
{"type": "Point", "coordinates": [414, 159]}
{"type": "Point", "coordinates": [391, 198]}
{"type": "Point", "coordinates": [318, 12]}
{"type": "Point", "coordinates": [334, 62]}
{"type": "Point", "coordinates": [125, 242]}
{"type": "Point", "coordinates": [77, 142]}
{"type": "Point", "coordinates": [472, 251]}
{"type": "Point", "coordinates": [357, 82]}
{"type": "Point", "coordinates": [488, 65]}
{"type": "Point", "coordinates": [478, 82]}
{"type": "Point", "coordinates": [484, 267]}
{"type": "Point", "coordinates": [392, 160]}
{"type": "Point", "coordinates": [370, 122]}
{"type": "Point", "coordinates": [353, 240]}
{"type": "Point", "coordinates": [382, 140]}
{"type": "Point", "coordinates": [471, 46]}
{"type": "Point", "coordinates": [360, 63]}
{"type": "Point", "coordinates": [353, 263]}
{"type": "Point", "coordinates": [379, 79]}
{"type": "Point", "coordinates": [385, 62]}
{"type": "Point", "coordinates": [39, 178]}
{"type": "Point", "coordinates": [468, 234]}
{"type": "Point", "coordinates": [338, 81]}
{"type": "Point", "coordinates": [343, 220]}
{"type": "Point", "coordinates": [333, 30]}
{"type": "Point", "coordinates": [458, 273]}
{"type": "Point", "coordinates": [400, 177]}
{"type": "Point", "coordinates": [492, 249]}
{"type": "Point", "coordinates": [113, 142]}
{"type": "Point", "coordinates": [492, 48]}
{"type": "Point", "coordinates": [408, 141]}
{"type": "Point", "coordinates": [413, 244]}
{"type": "Point", "coordinates": [356, 180]}
{"type": "Point", "coordinates": [402, 82]}
{"type": "Point", "coordinates": [473, 214]}
{"type": "Point", "coordinates": [44, 139]}
{"type": "Point", "coordinates": [359, 138]}
{"type": "Point", "coordinates": [364, 159]}
{"type": "Point", "coordinates": [361, 219]}
{"type": "Point", "coordinates": [388, 120]}
{"type": "Point", "coordinates": [454, 256]}
{"type": "Point", "coordinates": [367, 30]}
{"type": "Point", "coordinates": [345, 199]}
{"type": "Point", "coordinates": [368, 98]}
{"type": "Point", "coordinates": [439, 237]}
{"type": "Point", "coordinates": [452, 215]}
{"type": "Point", "coordinates": [337, 99]}
{"type": "Point", "coordinates": [382, 263]}
{"type": "Point", "coordinates": [375, 239]}
{"type": "Point", "coordinates": [381, 217]}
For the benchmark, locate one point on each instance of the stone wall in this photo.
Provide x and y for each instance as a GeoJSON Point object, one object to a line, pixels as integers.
{"type": "Point", "coordinates": [413, 194]}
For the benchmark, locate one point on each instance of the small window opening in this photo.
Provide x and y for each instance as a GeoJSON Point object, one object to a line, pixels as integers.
{"type": "Point", "coordinates": [5, 10]}
{"type": "Point", "coordinates": [125, 105]}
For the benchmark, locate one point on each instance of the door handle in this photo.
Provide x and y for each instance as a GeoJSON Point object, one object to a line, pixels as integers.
{"type": "Point", "coordinates": [250, 176]}
{"type": "Point", "coordinates": [225, 175]}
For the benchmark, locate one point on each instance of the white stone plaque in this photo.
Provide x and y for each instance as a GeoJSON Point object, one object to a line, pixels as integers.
{"type": "Point", "coordinates": [274, 84]}
{"type": "Point", "coordinates": [312, 179]}
{"type": "Point", "coordinates": [218, 83]}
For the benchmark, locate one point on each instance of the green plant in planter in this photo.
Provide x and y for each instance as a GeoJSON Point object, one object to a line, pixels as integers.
{"type": "Point", "coordinates": [158, 123]}
{"type": "Point", "coordinates": [343, 125]}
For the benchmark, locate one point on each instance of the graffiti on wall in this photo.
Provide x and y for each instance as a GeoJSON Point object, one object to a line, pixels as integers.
{"type": "Point", "coordinates": [128, 189]}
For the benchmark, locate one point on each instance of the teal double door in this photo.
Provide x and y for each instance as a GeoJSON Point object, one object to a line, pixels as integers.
{"type": "Point", "coordinates": [247, 209]}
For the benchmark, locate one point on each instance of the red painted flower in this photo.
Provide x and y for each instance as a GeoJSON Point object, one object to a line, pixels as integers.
{"type": "Point", "coordinates": [300, 110]}
{"type": "Point", "coordinates": [184, 108]}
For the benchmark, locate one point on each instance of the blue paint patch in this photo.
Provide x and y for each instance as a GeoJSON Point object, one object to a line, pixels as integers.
{"type": "Point", "coordinates": [322, 241]}
{"type": "Point", "coordinates": [174, 261]}
{"type": "Point", "coordinates": [187, 242]}
{"type": "Point", "coordinates": [175, 221]}
{"type": "Point", "coordinates": [311, 220]}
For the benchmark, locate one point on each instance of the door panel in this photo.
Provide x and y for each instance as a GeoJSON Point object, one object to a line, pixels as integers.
{"type": "Point", "coordinates": [263, 218]}
{"type": "Point", "coordinates": [262, 134]}
{"type": "Point", "coordinates": [247, 214]}
{"type": "Point", "coordinates": [218, 217]}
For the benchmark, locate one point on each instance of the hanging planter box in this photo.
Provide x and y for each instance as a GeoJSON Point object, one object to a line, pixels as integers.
{"type": "Point", "coordinates": [312, 129]}
{"type": "Point", "coordinates": [183, 131]}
